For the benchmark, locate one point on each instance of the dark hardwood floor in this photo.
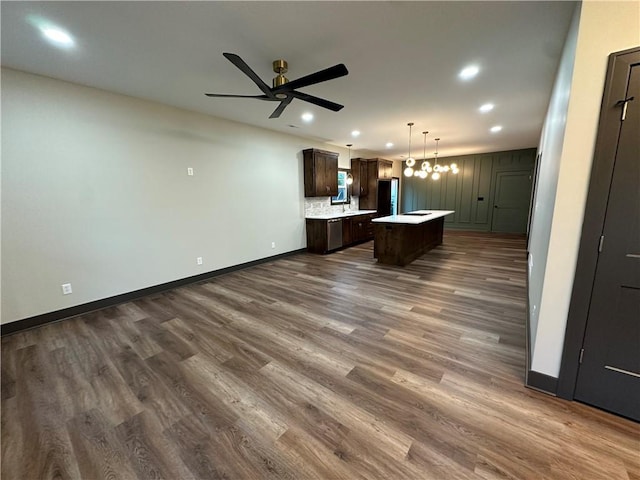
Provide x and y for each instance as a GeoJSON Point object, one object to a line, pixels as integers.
{"type": "Point", "coordinates": [319, 367]}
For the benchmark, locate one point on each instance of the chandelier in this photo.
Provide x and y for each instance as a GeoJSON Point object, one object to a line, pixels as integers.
{"type": "Point", "coordinates": [427, 170]}
{"type": "Point", "coordinates": [410, 162]}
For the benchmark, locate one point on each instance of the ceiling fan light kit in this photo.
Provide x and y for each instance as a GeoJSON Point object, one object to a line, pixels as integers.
{"type": "Point", "coordinates": [283, 90]}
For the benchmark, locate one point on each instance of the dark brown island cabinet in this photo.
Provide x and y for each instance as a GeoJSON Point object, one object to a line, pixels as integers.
{"type": "Point", "coordinates": [320, 173]}
{"type": "Point", "coordinates": [400, 239]}
{"type": "Point", "coordinates": [368, 172]}
{"type": "Point", "coordinates": [326, 235]}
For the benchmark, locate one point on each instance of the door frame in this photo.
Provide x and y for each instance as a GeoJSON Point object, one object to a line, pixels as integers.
{"type": "Point", "coordinates": [494, 196]}
{"type": "Point", "coordinates": [397, 179]}
{"type": "Point", "coordinates": [609, 125]}
{"type": "Point", "coordinates": [532, 197]}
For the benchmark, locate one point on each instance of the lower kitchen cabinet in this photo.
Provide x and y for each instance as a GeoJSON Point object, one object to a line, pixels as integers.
{"type": "Point", "coordinates": [327, 235]}
{"type": "Point", "coordinates": [362, 228]}
{"type": "Point", "coordinates": [347, 224]}
{"type": "Point", "coordinates": [318, 236]}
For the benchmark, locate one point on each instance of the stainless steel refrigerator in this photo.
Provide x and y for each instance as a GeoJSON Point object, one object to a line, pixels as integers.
{"type": "Point", "coordinates": [388, 196]}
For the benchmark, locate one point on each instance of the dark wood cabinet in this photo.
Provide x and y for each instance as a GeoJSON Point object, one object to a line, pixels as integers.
{"type": "Point", "coordinates": [355, 229]}
{"type": "Point", "coordinates": [320, 173]}
{"type": "Point", "coordinates": [317, 241]}
{"type": "Point", "coordinates": [359, 229]}
{"type": "Point", "coordinates": [359, 171]}
{"type": "Point", "coordinates": [362, 228]}
{"type": "Point", "coordinates": [370, 228]}
{"type": "Point", "coordinates": [377, 168]}
{"type": "Point", "coordinates": [400, 244]}
{"type": "Point", "coordinates": [385, 168]}
{"type": "Point", "coordinates": [346, 231]}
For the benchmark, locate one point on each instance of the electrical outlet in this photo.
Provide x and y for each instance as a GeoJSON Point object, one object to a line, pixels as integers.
{"type": "Point", "coordinates": [190, 171]}
{"type": "Point", "coordinates": [66, 289]}
{"type": "Point", "coordinates": [273, 244]}
{"type": "Point", "coordinates": [199, 260]}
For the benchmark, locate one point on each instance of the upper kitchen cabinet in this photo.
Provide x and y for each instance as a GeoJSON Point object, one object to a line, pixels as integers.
{"type": "Point", "coordinates": [359, 171]}
{"type": "Point", "coordinates": [383, 167]}
{"type": "Point", "coordinates": [377, 168]}
{"type": "Point", "coordinates": [320, 173]}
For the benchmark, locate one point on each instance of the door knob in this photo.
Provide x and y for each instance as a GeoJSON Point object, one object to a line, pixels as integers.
{"type": "Point", "coordinates": [495, 206]}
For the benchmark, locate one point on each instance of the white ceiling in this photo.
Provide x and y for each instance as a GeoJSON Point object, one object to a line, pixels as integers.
{"type": "Point", "coordinates": [403, 60]}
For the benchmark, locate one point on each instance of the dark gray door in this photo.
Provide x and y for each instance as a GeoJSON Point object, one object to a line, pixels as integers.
{"type": "Point", "coordinates": [609, 375]}
{"type": "Point", "coordinates": [511, 202]}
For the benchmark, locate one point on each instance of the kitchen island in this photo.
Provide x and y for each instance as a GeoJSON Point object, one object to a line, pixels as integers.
{"type": "Point", "coordinates": [400, 239]}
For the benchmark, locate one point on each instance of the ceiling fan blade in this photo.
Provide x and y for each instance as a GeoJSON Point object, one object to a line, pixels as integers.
{"type": "Point", "coordinates": [321, 102]}
{"type": "Point", "coordinates": [224, 95]}
{"type": "Point", "coordinates": [322, 76]}
{"type": "Point", "coordinates": [283, 104]}
{"type": "Point", "coordinates": [238, 62]}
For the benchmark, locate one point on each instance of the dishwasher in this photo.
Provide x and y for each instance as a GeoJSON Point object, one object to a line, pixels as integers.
{"type": "Point", "coordinates": [334, 234]}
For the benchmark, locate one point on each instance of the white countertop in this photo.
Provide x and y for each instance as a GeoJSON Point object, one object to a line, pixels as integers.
{"type": "Point", "coordinates": [414, 218]}
{"type": "Point", "coordinates": [346, 213]}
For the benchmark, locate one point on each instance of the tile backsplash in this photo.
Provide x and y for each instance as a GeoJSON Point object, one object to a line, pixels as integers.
{"type": "Point", "coordinates": [322, 206]}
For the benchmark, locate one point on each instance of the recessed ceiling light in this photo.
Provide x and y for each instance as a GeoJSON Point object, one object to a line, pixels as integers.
{"type": "Point", "coordinates": [57, 36]}
{"type": "Point", "coordinates": [467, 73]}
{"type": "Point", "coordinates": [307, 117]}
{"type": "Point", "coordinates": [355, 133]}
{"type": "Point", "coordinates": [495, 128]}
{"type": "Point", "coordinates": [487, 107]}
{"type": "Point", "coordinates": [388, 145]}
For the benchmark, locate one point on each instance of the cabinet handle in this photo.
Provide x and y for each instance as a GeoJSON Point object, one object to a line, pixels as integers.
{"type": "Point", "coordinates": [328, 188]}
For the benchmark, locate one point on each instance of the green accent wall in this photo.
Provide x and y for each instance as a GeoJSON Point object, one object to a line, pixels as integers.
{"type": "Point", "coordinates": [470, 193]}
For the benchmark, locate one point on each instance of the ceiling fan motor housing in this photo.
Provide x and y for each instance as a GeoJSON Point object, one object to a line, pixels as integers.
{"type": "Point", "coordinates": [280, 67]}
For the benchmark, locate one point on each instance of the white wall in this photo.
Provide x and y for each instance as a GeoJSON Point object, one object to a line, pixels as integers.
{"type": "Point", "coordinates": [550, 151]}
{"type": "Point", "coordinates": [95, 193]}
{"type": "Point", "coordinates": [604, 28]}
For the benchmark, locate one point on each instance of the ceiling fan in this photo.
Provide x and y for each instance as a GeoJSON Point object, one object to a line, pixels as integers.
{"type": "Point", "coordinates": [283, 90]}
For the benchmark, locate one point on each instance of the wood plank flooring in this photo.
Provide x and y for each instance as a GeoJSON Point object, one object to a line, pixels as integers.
{"type": "Point", "coordinates": [309, 367]}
